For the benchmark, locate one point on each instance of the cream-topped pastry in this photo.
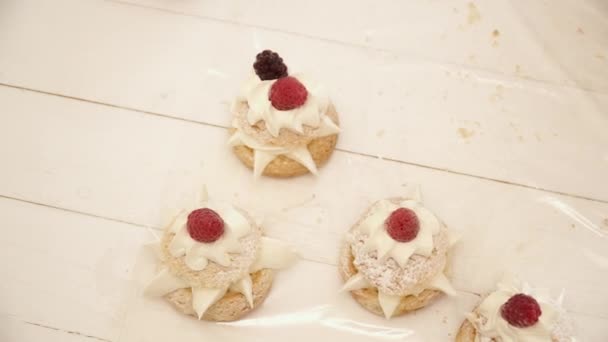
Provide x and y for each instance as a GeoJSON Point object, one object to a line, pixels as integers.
{"type": "Point", "coordinates": [215, 263]}
{"type": "Point", "coordinates": [517, 312]}
{"type": "Point", "coordinates": [395, 257]}
{"type": "Point", "coordinates": [283, 125]}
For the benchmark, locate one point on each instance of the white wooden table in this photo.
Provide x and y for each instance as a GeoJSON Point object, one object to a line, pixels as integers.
{"type": "Point", "coordinates": [112, 110]}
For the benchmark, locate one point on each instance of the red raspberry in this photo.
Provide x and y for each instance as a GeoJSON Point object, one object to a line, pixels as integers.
{"type": "Point", "coordinates": [287, 93]}
{"type": "Point", "coordinates": [205, 225]}
{"type": "Point", "coordinates": [403, 225]}
{"type": "Point", "coordinates": [521, 311]}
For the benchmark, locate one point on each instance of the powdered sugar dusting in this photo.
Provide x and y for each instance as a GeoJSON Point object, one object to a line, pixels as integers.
{"type": "Point", "coordinates": [562, 330]}
{"type": "Point", "coordinates": [388, 276]}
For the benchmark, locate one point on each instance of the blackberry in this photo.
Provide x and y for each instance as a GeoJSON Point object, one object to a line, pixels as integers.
{"type": "Point", "coordinates": [269, 65]}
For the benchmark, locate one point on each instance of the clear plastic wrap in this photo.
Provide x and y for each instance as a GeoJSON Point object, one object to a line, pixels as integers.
{"type": "Point", "coordinates": [114, 109]}
{"type": "Point", "coordinates": [551, 241]}
{"type": "Point", "coordinates": [516, 210]}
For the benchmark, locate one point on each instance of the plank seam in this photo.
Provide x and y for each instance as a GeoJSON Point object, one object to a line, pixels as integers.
{"type": "Point", "coordinates": [406, 55]}
{"type": "Point", "coordinates": [71, 332]}
{"type": "Point", "coordinates": [143, 226]}
{"type": "Point", "coordinates": [202, 123]}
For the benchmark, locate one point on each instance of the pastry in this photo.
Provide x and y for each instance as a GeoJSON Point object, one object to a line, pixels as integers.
{"type": "Point", "coordinates": [516, 312]}
{"type": "Point", "coordinates": [283, 125]}
{"type": "Point", "coordinates": [215, 263]}
{"type": "Point", "coordinates": [394, 259]}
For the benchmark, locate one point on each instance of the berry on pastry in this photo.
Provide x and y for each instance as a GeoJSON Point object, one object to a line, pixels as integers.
{"type": "Point", "coordinates": [284, 125]}
{"type": "Point", "coordinates": [215, 263]}
{"type": "Point", "coordinates": [394, 258]}
{"type": "Point", "coordinates": [516, 312]}
{"type": "Point", "coordinates": [269, 66]}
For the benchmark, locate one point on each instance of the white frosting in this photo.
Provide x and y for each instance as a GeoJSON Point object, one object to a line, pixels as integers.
{"type": "Point", "coordinates": [244, 286]}
{"type": "Point", "coordinates": [198, 254]}
{"type": "Point", "coordinates": [389, 303]}
{"type": "Point", "coordinates": [279, 255]}
{"type": "Point", "coordinates": [356, 282]}
{"type": "Point", "coordinates": [379, 239]}
{"type": "Point", "coordinates": [490, 324]}
{"type": "Point", "coordinates": [442, 283]}
{"type": "Point", "coordinates": [373, 226]}
{"type": "Point", "coordinates": [265, 154]}
{"type": "Point", "coordinates": [273, 254]}
{"type": "Point", "coordinates": [203, 298]}
{"type": "Point", "coordinates": [312, 114]}
{"type": "Point", "coordinates": [164, 282]}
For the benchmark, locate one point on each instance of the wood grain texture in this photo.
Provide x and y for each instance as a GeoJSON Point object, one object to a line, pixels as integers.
{"type": "Point", "coordinates": [368, 297]}
{"type": "Point", "coordinates": [485, 106]}
{"type": "Point", "coordinates": [14, 329]}
{"type": "Point", "coordinates": [519, 130]}
{"type": "Point", "coordinates": [495, 37]}
{"type": "Point", "coordinates": [85, 157]}
{"type": "Point", "coordinates": [65, 275]}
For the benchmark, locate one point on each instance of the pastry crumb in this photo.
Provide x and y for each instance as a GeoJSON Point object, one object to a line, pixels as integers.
{"type": "Point", "coordinates": [465, 133]}
{"type": "Point", "coordinates": [474, 15]}
{"type": "Point", "coordinates": [497, 95]}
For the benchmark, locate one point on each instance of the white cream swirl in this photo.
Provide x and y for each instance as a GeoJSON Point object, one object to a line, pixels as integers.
{"type": "Point", "coordinates": [265, 154]}
{"type": "Point", "coordinates": [374, 228]}
{"type": "Point", "coordinates": [380, 241]}
{"type": "Point", "coordinates": [198, 254]}
{"type": "Point", "coordinates": [490, 324]}
{"type": "Point", "coordinates": [311, 113]}
{"type": "Point", "coordinates": [272, 254]}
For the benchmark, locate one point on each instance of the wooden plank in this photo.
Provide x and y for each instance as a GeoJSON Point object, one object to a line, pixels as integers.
{"type": "Point", "coordinates": [404, 108]}
{"type": "Point", "coordinates": [304, 305]}
{"type": "Point", "coordinates": [508, 37]}
{"type": "Point", "coordinates": [68, 274]}
{"type": "Point", "coordinates": [133, 167]}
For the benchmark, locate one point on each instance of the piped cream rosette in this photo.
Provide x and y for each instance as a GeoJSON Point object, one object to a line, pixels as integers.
{"type": "Point", "coordinates": [214, 250]}
{"type": "Point", "coordinates": [404, 275]}
{"type": "Point", "coordinates": [517, 312]}
{"type": "Point", "coordinates": [271, 132]}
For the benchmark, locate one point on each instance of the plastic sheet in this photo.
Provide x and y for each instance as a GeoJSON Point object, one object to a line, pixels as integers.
{"type": "Point", "coordinates": [547, 238]}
